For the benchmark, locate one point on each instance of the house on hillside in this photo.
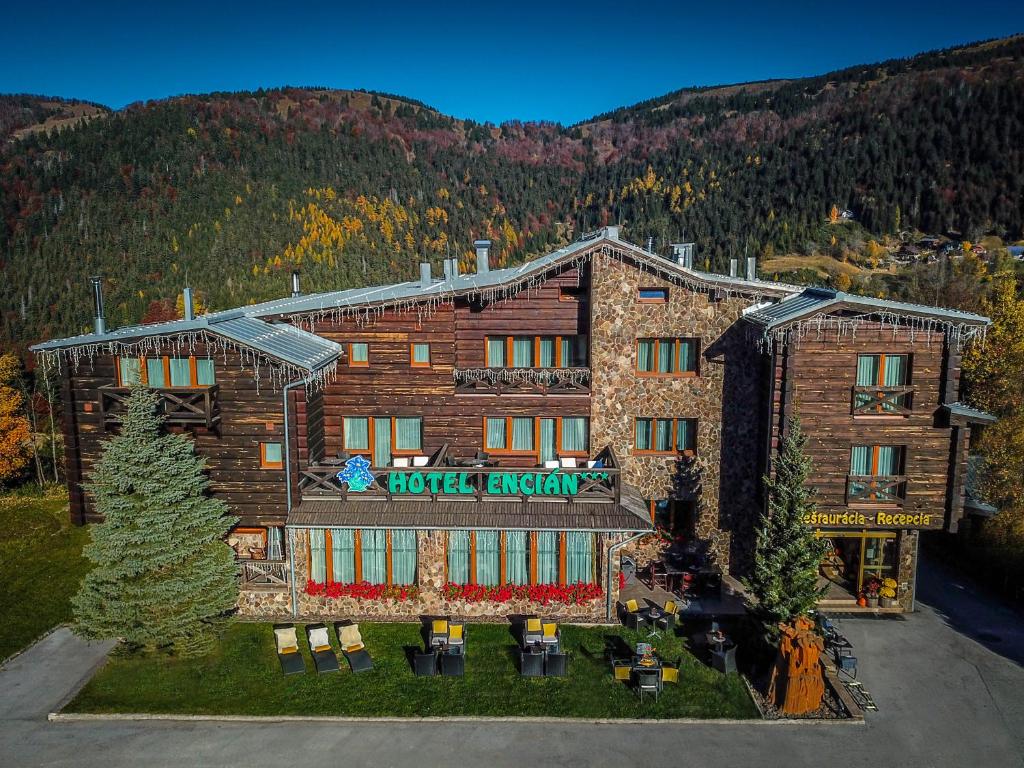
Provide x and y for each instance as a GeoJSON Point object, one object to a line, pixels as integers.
{"type": "Point", "coordinates": [524, 430]}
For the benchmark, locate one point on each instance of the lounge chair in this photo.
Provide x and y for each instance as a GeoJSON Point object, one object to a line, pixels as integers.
{"type": "Point", "coordinates": [425, 664]}
{"type": "Point", "coordinates": [420, 461]}
{"type": "Point", "coordinates": [320, 647]}
{"type": "Point", "coordinates": [401, 462]}
{"type": "Point", "coordinates": [551, 464]}
{"type": "Point", "coordinates": [453, 664]}
{"type": "Point", "coordinates": [457, 637]}
{"type": "Point", "coordinates": [352, 646]}
{"type": "Point", "coordinates": [531, 664]}
{"type": "Point", "coordinates": [288, 654]}
{"type": "Point", "coordinates": [556, 665]}
{"type": "Point", "coordinates": [567, 462]}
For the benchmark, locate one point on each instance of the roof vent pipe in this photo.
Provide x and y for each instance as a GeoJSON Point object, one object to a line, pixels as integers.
{"type": "Point", "coordinates": [447, 264]}
{"type": "Point", "coordinates": [296, 290]}
{"type": "Point", "coordinates": [751, 268]}
{"type": "Point", "coordinates": [483, 256]}
{"type": "Point", "coordinates": [425, 278]}
{"type": "Point", "coordinates": [612, 233]}
{"type": "Point", "coordinates": [734, 266]}
{"type": "Point", "coordinates": [683, 254]}
{"type": "Point", "coordinates": [188, 306]}
{"type": "Point", "coordinates": [99, 325]}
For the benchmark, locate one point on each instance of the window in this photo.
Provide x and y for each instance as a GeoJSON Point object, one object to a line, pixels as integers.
{"type": "Point", "coordinates": [492, 558]}
{"type": "Point", "coordinates": [488, 558]}
{"type": "Point", "coordinates": [458, 557]}
{"type": "Point", "coordinates": [359, 355]}
{"type": "Point", "coordinates": [572, 293]}
{"type": "Point", "coordinates": [536, 351]}
{"type": "Point", "coordinates": [275, 546]}
{"type": "Point", "coordinates": [653, 295]}
{"type": "Point", "coordinates": [665, 436]}
{"type": "Point", "coordinates": [161, 372]}
{"type": "Point", "coordinates": [350, 556]}
{"type": "Point", "coordinates": [579, 557]}
{"type": "Point", "coordinates": [419, 355]}
{"type": "Point", "coordinates": [547, 557]}
{"type": "Point", "coordinates": [517, 558]}
{"type": "Point", "coordinates": [545, 437]}
{"type": "Point", "coordinates": [875, 375]}
{"type": "Point", "coordinates": [666, 357]}
{"type": "Point", "coordinates": [271, 456]}
{"type": "Point", "coordinates": [383, 436]}
{"type": "Point", "coordinates": [876, 474]}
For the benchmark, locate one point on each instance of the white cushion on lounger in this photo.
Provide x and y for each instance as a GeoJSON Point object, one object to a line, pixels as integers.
{"type": "Point", "coordinates": [285, 637]}
{"type": "Point", "coordinates": [350, 637]}
{"type": "Point", "coordinates": [318, 638]}
{"type": "Point", "coordinates": [569, 462]}
{"type": "Point", "coordinates": [591, 463]}
{"type": "Point", "coordinates": [551, 464]}
{"type": "Point", "coordinates": [420, 461]}
{"type": "Point", "coordinates": [401, 462]}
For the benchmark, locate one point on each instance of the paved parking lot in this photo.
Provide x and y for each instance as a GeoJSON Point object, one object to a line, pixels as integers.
{"type": "Point", "coordinates": [948, 681]}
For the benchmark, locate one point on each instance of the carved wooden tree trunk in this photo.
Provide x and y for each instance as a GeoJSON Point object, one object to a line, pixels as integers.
{"type": "Point", "coordinates": [797, 684]}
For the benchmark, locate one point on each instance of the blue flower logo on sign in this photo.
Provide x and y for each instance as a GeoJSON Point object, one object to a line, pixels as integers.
{"type": "Point", "coordinates": [356, 474]}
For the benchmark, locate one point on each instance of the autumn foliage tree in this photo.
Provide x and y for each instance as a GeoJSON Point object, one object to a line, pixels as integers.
{"type": "Point", "coordinates": [14, 428]}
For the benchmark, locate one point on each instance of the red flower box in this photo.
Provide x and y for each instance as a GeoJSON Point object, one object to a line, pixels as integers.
{"type": "Point", "coordinates": [545, 594]}
{"type": "Point", "coordinates": [362, 590]}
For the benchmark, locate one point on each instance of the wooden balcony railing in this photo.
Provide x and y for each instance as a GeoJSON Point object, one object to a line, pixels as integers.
{"type": "Point", "coordinates": [537, 381]}
{"type": "Point", "coordinates": [883, 401]}
{"type": "Point", "coordinates": [264, 574]}
{"type": "Point", "coordinates": [876, 489]}
{"type": "Point", "coordinates": [181, 406]}
{"type": "Point", "coordinates": [480, 483]}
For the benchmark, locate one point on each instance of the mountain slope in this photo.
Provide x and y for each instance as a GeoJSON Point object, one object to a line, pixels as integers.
{"type": "Point", "coordinates": [231, 191]}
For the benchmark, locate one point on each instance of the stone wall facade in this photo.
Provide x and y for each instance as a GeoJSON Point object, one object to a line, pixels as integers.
{"type": "Point", "coordinates": [430, 579]}
{"type": "Point", "coordinates": [726, 398]}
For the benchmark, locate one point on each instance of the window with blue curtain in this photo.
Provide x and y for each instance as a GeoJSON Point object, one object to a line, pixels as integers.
{"type": "Point", "coordinates": [868, 367]}
{"type": "Point", "coordinates": [458, 557]}
{"type": "Point", "coordinates": [359, 352]}
{"type": "Point", "coordinates": [644, 434]}
{"type": "Point", "coordinates": [574, 434]}
{"type": "Point", "coordinates": [548, 448]}
{"type": "Point", "coordinates": [130, 370]}
{"type": "Point", "coordinates": [403, 556]}
{"type": "Point", "coordinates": [317, 556]}
{"type": "Point", "coordinates": [686, 435]}
{"type": "Point", "coordinates": [496, 438]}
{"type": "Point", "coordinates": [688, 355]}
{"type": "Point", "coordinates": [343, 555]}
{"type": "Point", "coordinates": [421, 354]}
{"type": "Point", "coordinates": [860, 460]}
{"type": "Point", "coordinates": [645, 355]}
{"type": "Point", "coordinates": [517, 565]}
{"type": "Point", "coordinates": [204, 372]}
{"type": "Point", "coordinates": [496, 352]}
{"type": "Point", "coordinates": [155, 372]}
{"type": "Point", "coordinates": [574, 351]}
{"type": "Point", "coordinates": [374, 544]}
{"type": "Point", "coordinates": [357, 433]}
{"type": "Point", "coordinates": [488, 558]}
{"type": "Point", "coordinates": [666, 355]}
{"type": "Point", "coordinates": [522, 433]}
{"type": "Point", "coordinates": [181, 372]}
{"type": "Point", "coordinates": [663, 435]}
{"type": "Point", "coordinates": [381, 441]}
{"type": "Point", "coordinates": [547, 557]}
{"type": "Point", "coordinates": [890, 460]}
{"type": "Point", "coordinates": [579, 557]}
{"type": "Point", "coordinates": [546, 353]}
{"type": "Point", "coordinates": [408, 433]}
{"type": "Point", "coordinates": [895, 371]}
{"type": "Point", "coordinates": [522, 352]}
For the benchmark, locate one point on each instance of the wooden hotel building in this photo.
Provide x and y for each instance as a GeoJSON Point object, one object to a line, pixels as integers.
{"type": "Point", "coordinates": [513, 434]}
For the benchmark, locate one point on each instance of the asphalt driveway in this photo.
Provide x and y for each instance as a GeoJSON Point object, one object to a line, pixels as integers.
{"type": "Point", "coordinates": [947, 680]}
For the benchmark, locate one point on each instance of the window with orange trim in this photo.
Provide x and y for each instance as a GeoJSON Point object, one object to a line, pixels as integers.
{"type": "Point", "coordinates": [271, 456]}
{"type": "Point", "coordinates": [419, 354]}
{"type": "Point", "coordinates": [359, 355]}
{"type": "Point", "coordinates": [536, 351]}
{"type": "Point", "coordinates": [667, 357]}
{"type": "Point", "coordinates": [541, 436]}
{"type": "Point", "coordinates": [653, 295]}
{"type": "Point", "coordinates": [665, 436]}
{"type": "Point", "coordinates": [166, 372]}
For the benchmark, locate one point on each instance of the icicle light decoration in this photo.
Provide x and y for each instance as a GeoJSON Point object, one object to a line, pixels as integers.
{"type": "Point", "coordinates": [263, 367]}
{"type": "Point", "coordinates": [547, 376]}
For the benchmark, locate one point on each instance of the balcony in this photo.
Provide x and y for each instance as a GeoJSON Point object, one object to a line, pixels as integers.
{"type": "Point", "coordinates": [882, 401]}
{"type": "Point", "coordinates": [876, 489]}
{"type": "Point", "coordinates": [452, 479]}
{"type": "Point", "coordinates": [522, 381]}
{"type": "Point", "coordinates": [180, 406]}
{"type": "Point", "coordinates": [264, 574]}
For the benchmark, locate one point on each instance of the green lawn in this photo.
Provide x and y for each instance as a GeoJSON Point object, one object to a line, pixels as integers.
{"type": "Point", "coordinates": [243, 677]}
{"type": "Point", "coordinates": [41, 565]}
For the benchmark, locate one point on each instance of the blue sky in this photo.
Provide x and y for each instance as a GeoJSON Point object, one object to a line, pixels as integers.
{"type": "Point", "coordinates": [510, 60]}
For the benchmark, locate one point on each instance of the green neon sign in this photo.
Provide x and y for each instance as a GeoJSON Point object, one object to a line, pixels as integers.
{"type": "Point", "coordinates": [553, 483]}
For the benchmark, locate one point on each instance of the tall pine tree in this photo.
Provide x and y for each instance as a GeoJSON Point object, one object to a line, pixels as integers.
{"type": "Point", "coordinates": [784, 579]}
{"type": "Point", "coordinates": [163, 578]}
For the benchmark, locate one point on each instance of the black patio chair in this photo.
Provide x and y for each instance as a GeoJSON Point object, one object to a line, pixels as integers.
{"type": "Point", "coordinates": [425, 664]}
{"type": "Point", "coordinates": [531, 664]}
{"type": "Point", "coordinates": [453, 664]}
{"type": "Point", "coordinates": [648, 681]}
{"type": "Point", "coordinates": [556, 665]}
{"type": "Point", "coordinates": [724, 660]}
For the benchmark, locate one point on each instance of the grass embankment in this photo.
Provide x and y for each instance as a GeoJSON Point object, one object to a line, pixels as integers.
{"type": "Point", "coordinates": [41, 565]}
{"type": "Point", "coordinates": [243, 678]}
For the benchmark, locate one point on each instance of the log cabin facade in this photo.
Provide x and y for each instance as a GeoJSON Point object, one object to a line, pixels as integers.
{"type": "Point", "coordinates": [512, 434]}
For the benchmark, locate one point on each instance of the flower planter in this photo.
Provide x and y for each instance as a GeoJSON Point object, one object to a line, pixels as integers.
{"type": "Point", "coordinates": [887, 602]}
{"type": "Point", "coordinates": [872, 601]}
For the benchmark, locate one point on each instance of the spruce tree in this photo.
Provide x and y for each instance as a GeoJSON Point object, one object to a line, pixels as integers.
{"type": "Point", "coordinates": [163, 578]}
{"type": "Point", "coordinates": [784, 579]}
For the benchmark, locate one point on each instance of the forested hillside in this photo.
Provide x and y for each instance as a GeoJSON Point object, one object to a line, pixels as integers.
{"type": "Point", "coordinates": [229, 192]}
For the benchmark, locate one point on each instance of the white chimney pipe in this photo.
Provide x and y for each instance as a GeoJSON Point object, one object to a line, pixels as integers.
{"type": "Point", "coordinates": [189, 307]}
{"type": "Point", "coordinates": [425, 279]}
{"type": "Point", "coordinates": [296, 290]}
{"type": "Point", "coordinates": [751, 268]}
{"type": "Point", "coordinates": [99, 324]}
{"type": "Point", "coordinates": [733, 267]}
{"type": "Point", "coordinates": [483, 256]}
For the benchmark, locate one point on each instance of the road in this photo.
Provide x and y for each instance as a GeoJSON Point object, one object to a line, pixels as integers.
{"type": "Point", "coordinates": [947, 679]}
